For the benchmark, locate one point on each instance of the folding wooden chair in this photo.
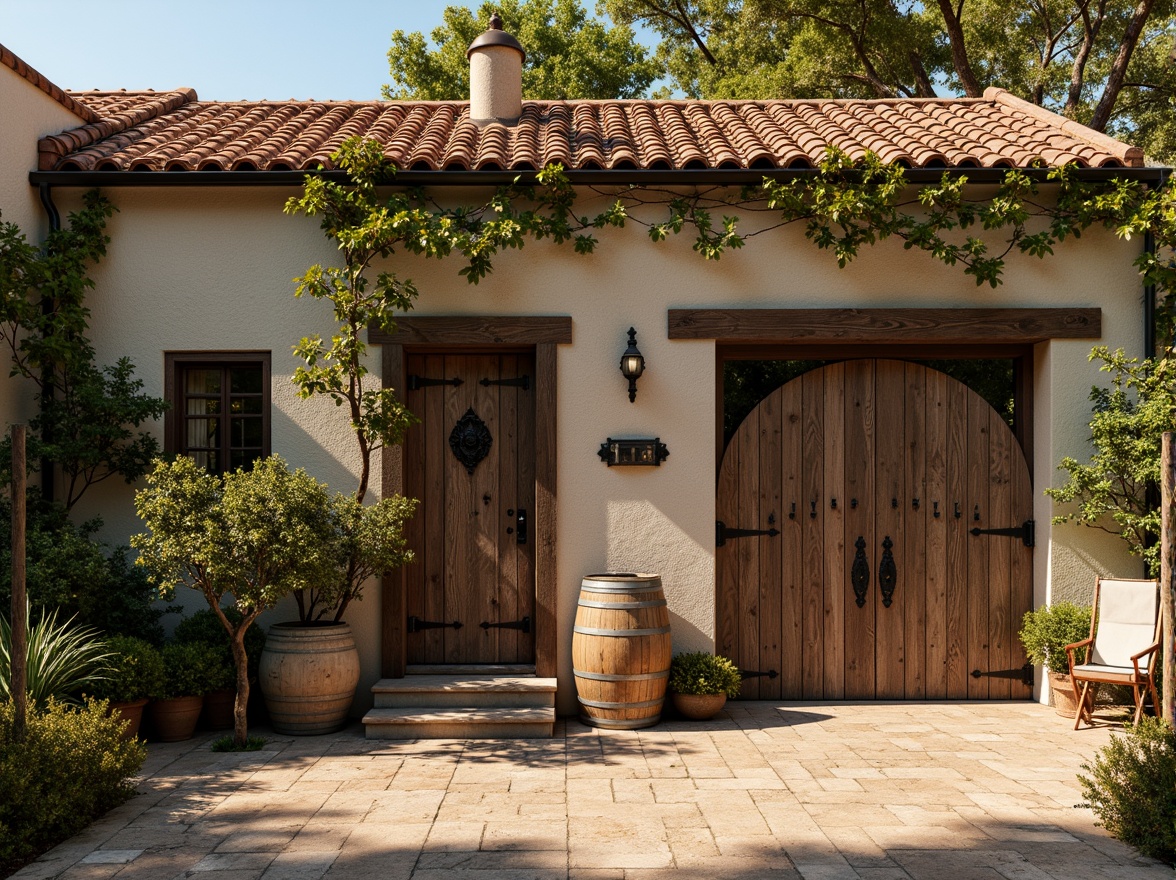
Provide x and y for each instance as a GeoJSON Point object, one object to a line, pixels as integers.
{"type": "Point", "coordinates": [1124, 630]}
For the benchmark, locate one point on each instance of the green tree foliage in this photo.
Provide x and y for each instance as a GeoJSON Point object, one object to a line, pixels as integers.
{"type": "Point", "coordinates": [71, 767]}
{"type": "Point", "coordinates": [89, 414]}
{"type": "Point", "coordinates": [570, 54]}
{"type": "Point", "coordinates": [1110, 492]}
{"type": "Point", "coordinates": [1102, 62]}
{"type": "Point", "coordinates": [67, 569]}
{"type": "Point", "coordinates": [253, 535]}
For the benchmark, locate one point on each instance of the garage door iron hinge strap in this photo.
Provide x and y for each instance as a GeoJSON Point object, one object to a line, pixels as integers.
{"type": "Point", "coordinates": [524, 625]}
{"type": "Point", "coordinates": [1027, 532]}
{"type": "Point", "coordinates": [415, 383]}
{"type": "Point", "coordinates": [722, 533]}
{"type": "Point", "coordinates": [1024, 673]}
{"type": "Point", "coordinates": [415, 624]}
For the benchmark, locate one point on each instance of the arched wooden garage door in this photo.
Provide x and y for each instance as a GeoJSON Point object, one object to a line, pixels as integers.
{"type": "Point", "coordinates": [874, 473]}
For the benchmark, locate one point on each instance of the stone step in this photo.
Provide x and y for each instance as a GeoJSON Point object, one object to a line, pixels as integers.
{"type": "Point", "coordinates": [464, 691]}
{"type": "Point", "coordinates": [471, 669]}
{"type": "Point", "coordinates": [460, 723]}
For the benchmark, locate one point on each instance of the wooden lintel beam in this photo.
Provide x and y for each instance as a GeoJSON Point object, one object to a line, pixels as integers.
{"type": "Point", "coordinates": [955, 326]}
{"type": "Point", "coordinates": [476, 330]}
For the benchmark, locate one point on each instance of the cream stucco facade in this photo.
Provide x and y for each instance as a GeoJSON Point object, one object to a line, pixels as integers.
{"type": "Point", "coordinates": [210, 268]}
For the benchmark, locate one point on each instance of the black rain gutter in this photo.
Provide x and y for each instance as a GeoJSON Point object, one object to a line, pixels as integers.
{"type": "Point", "coordinates": [682, 177]}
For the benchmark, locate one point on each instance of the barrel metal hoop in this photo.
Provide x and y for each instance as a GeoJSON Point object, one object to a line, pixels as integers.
{"type": "Point", "coordinates": [622, 588]}
{"type": "Point", "coordinates": [601, 704]}
{"type": "Point", "coordinates": [636, 676]}
{"type": "Point", "coordinates": [622, 606]}
{"type": "Point", "coordinates": [621, 633]}
{"type": "Point", "coordinates": [620, 723]}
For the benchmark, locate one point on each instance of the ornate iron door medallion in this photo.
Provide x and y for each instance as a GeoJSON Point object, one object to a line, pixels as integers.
{"type": "Point", "coordinates": [470, 440]}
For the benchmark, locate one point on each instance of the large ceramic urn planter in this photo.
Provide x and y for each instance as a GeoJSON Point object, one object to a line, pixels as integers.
{"type": "Point", "coordinates": [174, 720]}
{"type": "Point", "coordinates": [308, 676]}
{"type": "Point", "coordinates": [131, 713]}
{"type": "Point", "coordinates": [1062, 694]}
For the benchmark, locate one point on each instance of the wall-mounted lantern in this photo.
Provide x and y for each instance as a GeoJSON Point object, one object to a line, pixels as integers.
{"type": "Point", "coordinates": [648, 451]}
{"type": "Point", "coordinates": [632, 364]}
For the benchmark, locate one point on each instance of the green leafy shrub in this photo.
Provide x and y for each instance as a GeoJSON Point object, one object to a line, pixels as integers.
{"type": "Point", "coordinates": [67, 569]}
{"type": "Point", "coordinates": [134, 671]}
{"type": "Point", "coordinates": [1132, 788]}
{"type": "Point", "coordinates": [189, 670]}
{"type": "Point", "coordinates": [71, 767]}
{"type": "Point", "coordinates": [205, 627]}
{"type": "Point", "coordinates": [63, 659]}
{"type": "Point", "coordinates": [704, 673]}
{"type": "Point", "coordinates": [1046, 631]}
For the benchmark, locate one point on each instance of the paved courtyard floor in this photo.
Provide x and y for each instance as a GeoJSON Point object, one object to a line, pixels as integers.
{"type": "Point", "coordinates": [769, 790]}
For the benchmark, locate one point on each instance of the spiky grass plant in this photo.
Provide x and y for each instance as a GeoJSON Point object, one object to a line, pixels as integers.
{"type": "Point", "coordinates": [63, 659]}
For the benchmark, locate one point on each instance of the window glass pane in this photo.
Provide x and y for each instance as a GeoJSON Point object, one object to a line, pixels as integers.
{"type": "Point", "coordinates": [250, 405]}
{"type": "Point", "coordinates": [243, 458]}
{"type": "Point", "coordinates": [201, 433]}
{"type": "Point", "coordinates": [245, 380]}
{"type": "Point", "coordinates": [202, 381]}
{"type": "Point", "coordinates": [246, 432]}
{"type": "Point", "coordinates": [206, 460]}
{"type": "Point", "coordinates": [203, 406]}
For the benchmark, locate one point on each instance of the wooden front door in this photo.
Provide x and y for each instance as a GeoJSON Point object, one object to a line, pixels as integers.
{"type": "Point", "coordinates": [874, 474]}
{"type": "Point", "coordinates": [471, 462]}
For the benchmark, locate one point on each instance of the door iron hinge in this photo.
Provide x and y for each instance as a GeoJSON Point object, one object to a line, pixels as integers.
{"type": "Point", "coordinates": [415, 624]}
{"type": "Point", "coordinates": [750, 673]}
{"type": "Point", "coordinates": [1024, 673]}
{"type": "Point", "coordinates": [722, 533]}
{"type": "Point", "coordinates": [1027, 532]}
{"type": "Point", "coordinates": [523, 382]}
{"type": "Point", "coordinates": [415, 383]}
{"type": "Point", "coordinates": [523, 625]}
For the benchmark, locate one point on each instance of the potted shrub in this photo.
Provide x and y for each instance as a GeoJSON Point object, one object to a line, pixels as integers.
{"type": "Point", "coordinates": [1045, 633]}
{"type": "Point", "coordinates": [700, 683]}
{"type": "Point", "coordinates": [134, 671]}
{"type": "Point", "coordinates": [205, 627]}
{"type": "Point", "coordinates": [253, 535]}
{"type": "Point", "coordinates": [188, 671]}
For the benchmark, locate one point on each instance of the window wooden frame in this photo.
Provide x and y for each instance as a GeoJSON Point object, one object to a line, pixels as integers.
{"type": "Point", "coordinates": [176, 363]}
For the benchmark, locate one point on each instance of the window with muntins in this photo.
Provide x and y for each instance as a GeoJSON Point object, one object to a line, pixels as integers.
{"type": "Point", "coordinates": [220, 407]}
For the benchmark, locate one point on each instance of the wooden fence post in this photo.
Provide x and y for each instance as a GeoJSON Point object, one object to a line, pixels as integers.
{"type": "Point", "coordinates": [20, 606]}
{"type": "Point", "coordinates": [1167, 568]}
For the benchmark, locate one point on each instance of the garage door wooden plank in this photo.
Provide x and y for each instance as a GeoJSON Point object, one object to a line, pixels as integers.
{"type": "Point", "coordinates": [956, 587]}
{"type": "Point", "coordinates": [769, 581]}
{"type": "Point", "coordinates": [833, 534]}
{"type": "Point", "coordinates": [978, 502]}
{"type": "Point", "coordinates": [913, 539]}
{"type": "Point", "coordinates": [1000, 554]}
{"type": "Point", "coordinates": [791, 525]}
{"type": "Point", "coordinates": [747, 549]}
{"type": "Point", "coordinates": [936, 564]}
{"type": "Point", "coordinates": [813, 560]}
{"type": "Point", "coordinates": [893, 509]}
{"type": "Point", "coordinates": [859, 483]}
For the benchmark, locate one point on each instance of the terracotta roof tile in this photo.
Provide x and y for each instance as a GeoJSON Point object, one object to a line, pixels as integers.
{"type": "Point", "coordinates": [10, 60]}
{"type": "Point", "coordinates": [174, 131]}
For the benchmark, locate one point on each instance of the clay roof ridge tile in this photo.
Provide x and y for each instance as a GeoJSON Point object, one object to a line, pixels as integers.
{"type": "Point", "coordinates": [1127, 154]}
{"type": "Point", "coordinates": [18, 66]}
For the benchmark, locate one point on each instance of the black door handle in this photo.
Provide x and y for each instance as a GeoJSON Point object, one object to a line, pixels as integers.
{"type": "Point", "coordinates": [887, 573]}
{"type": "Point", "coordinates": [859, 573]}
{"type": "Point", "coordinates": [521, 530]}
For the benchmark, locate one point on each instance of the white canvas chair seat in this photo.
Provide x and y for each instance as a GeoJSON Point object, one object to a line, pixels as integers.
{"type": "Point", "coordinates": [1123, 643]}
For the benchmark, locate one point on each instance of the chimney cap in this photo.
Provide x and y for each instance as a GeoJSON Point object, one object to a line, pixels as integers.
{"type": "Point", "coordinates": [495, 36]}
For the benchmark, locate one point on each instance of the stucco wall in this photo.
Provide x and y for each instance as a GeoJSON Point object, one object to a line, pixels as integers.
{"type": "Point", "coordinates": [211, 269]}
{"type": "Point", "coordinates": [26, 114]}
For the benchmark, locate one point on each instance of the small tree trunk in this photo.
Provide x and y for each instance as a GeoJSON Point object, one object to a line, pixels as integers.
{"type": "Point", "coordinates": [19, 649]}
{"type": "Point", "coordinates": [241, 704]}
{"type": "Point", "coordinates": [1167, 567]}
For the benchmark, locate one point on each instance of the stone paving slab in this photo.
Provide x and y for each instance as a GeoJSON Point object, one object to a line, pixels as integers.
{"type": "Point", "coordinates": [779, 791]}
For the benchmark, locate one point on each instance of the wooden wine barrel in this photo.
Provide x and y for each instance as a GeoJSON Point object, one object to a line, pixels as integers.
{"type": "Point", "coordinates": [621, 650]}
{"type": "Point", "coordinates": [308, 675]}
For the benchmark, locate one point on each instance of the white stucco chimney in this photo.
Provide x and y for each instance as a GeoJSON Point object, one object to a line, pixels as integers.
{"type": "Point", "coordinates": [496, 76]}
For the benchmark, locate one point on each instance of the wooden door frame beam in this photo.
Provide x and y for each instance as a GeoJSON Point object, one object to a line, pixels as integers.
{"type": "Point", "coordinates": [427, 333]}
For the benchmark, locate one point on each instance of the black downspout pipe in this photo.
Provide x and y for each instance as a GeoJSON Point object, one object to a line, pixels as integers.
{"type": "Point", "coordinates": [48, 481]}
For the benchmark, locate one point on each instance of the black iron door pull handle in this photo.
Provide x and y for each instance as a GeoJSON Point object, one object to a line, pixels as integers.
{"type": "Point", "coordinates": [521, 534]}
{"type": "Point", "coordinates": [957, 510]}
{"type": "Point", "coordinates": [859, 573]}
{"type": "Point", "coordinates": [935, 508]}
{"type": "Point", "coordinates": [887, 573]}
{"type": "Point", "coordinates": [812, 510]}
{"type": "Point", "coordinates": [792, 513]}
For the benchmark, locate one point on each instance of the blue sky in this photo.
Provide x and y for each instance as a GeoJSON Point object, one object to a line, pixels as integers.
{"type": "Point", "coordinates": [249, 49]}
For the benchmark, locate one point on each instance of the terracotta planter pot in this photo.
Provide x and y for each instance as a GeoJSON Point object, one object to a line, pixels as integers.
{"type": "Point", "coordinates": [308, 675]}
{"type": "Point", "coordinates": [132, 713]}
{"type": "Point", "coordinates": [699, 707]}
{"type": "Point", "coordinates": [1061, 694]}
{"type": "Point", "coordinates": [218, 708]}
{"type": "Point", "coordinates": [175, 719]}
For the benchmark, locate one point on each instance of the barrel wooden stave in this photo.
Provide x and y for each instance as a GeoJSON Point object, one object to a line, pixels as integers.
{"type": "Point", "coordinates": [621, 650]}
